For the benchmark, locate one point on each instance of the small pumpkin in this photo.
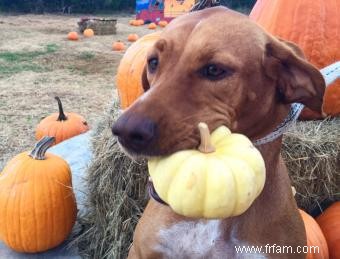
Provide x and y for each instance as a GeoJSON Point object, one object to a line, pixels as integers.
{"type": "Point", "coordinates": [140, 22]}
{"type": "Point", "coordinates": [118, 46]}
{"type": "Point", "coordinates": [221, 179]}
{"type": "Point", "coordinates": [315, 238]}
{"type": "Point", "coordinates": [72, 35]}
{"type": "Point", "coordinates": [136, 23]}
{"type": "Point", "coordinates": [329, 222]}
{"type": "Point", "coordinates": [61, 125]}
{"type": "Point", "coordinates": [88, 33]}
{"type": "Point", "coordinates": [152, 26]}
{"type": "Point", "coordinates": [314, 26]}
{"type": "Point", "coordinates": [38, 207]}
{"type": "Point", "coordinates": [163, 23]}
{"type": "Point", "coordinates": [132, 37]}
{"type": "Point", "coordinates": [131, 22]}
{"type": "Point", "coordinates": [130, 69]}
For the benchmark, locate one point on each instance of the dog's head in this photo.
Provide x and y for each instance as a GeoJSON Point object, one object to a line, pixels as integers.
{"type": "Point", "coordinates": [218, 67]}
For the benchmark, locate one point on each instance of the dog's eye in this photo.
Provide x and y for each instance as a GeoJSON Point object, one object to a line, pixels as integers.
{"type": "Point", "coordinates": [213, 72]}
{"type": "Point", "coordinates": [153, 64]}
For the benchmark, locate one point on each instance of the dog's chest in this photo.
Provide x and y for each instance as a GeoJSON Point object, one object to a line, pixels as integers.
{"type": "Point", "coordinates": [199, 239]}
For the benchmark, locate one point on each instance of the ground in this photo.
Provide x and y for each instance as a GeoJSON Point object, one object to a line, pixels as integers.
{"type": "Point", "coordinates": [37, 63]}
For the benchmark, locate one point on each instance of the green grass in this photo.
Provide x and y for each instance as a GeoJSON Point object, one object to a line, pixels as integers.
{"type": "Point", "coordinates": [8, 70]}
{"type": "Point", "coordinates": [15, 62]}
{"type": "Point", "coordinates": [87, 55]}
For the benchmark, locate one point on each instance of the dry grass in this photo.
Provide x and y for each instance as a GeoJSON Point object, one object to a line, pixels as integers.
{"type": "Point", "coordinates": [311, 151]}
{"type": "Point", "coordinates": [37, 62]}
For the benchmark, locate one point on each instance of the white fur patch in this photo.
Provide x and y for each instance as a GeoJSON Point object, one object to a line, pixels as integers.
{"type": "Point", "coordinates": [189, 239]}
{"type": "Point", "coordinates": [201, 239]}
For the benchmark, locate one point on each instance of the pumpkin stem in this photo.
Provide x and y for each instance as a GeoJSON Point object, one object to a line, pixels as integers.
{"type": "Point", "coordinates": [40, 148]}
{"type": "Point", "coordinates": [205, 146]}
{"type": "Point", "coordinates": [62, 116]}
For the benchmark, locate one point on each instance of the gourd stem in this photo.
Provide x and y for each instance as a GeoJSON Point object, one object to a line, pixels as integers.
{"type": "Point", "coordinates": [62, 116]}
{"type": "Point", "coordinates": [40, 148]}
{"type": "Point", "coordinates": [205, 146]}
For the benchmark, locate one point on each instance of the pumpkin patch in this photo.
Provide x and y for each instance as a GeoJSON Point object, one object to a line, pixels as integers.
{"type": "Point", "coordinates": [37, 204]}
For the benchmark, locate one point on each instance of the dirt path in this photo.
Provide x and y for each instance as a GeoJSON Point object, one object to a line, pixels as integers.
{"type": "Point", "coordinates": [37, 62]}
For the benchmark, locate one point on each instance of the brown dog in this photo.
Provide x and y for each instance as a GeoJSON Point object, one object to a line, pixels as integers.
{"type": "Point", "coordinates": [217, 66]}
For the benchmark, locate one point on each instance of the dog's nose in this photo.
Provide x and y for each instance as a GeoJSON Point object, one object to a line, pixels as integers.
{"type": "Point", "coordinates": [134, 132]}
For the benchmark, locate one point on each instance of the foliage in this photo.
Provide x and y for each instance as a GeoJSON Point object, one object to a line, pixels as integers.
{"type": "Point", "coordinates": [238, 3]}
{"type": "Point", "coordinates": [90, 6]}
{"type": "Point", "coordinates": [77, 6]}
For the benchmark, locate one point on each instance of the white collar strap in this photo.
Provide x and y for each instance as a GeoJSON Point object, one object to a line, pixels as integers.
{"type": "Point", "coordinates": [330, 74]}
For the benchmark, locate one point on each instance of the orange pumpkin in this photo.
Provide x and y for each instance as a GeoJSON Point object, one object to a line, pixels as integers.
{"type": "Point", "coordinates": [315, 27]}
{"type": "Point", "coordinates": [329, 222]}
{"type": "Point", "coordinates": [118, 46]}
{"type": "Point", "coordinates": [136, 23]}
{"type": "Point", "coordinates": [88, 33]}
{"type": "Point", "coordinates": [130, 69]}
{"type": "Point", "coordinates": [140, 22]}
{"type": "Point", "coordinates": [131, 22]}
{"type": "Point", "coordinates": [38, 207]}
{"type": "Point", "coordinates": [152, 26]}
{"type": "Point", "coordinates": [163, 23]}
{"type": "Point", "coordinates": [72, 35]}
{"type": "Point", "coordinates": [315, 237]}
{"type": "Point", "coordinates": [61, 125]}
{"type": "Point", "coordinates": [132, 37]}
{"type": "Point", "coordinates": [331, 103]}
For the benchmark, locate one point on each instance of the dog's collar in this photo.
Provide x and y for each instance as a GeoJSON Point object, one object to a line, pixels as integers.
{"type": "Point", "coordinates": [293, 114]}
{"type": "Point", "coordinates": [330, 74]}
{"type": "Point", "coordinates": [153, 194]}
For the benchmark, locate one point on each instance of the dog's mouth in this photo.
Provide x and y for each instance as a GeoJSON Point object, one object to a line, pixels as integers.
{"type": "Point", "coordinates": [134, 155]}
{"type": "Point", "coordinates": [153, 150]}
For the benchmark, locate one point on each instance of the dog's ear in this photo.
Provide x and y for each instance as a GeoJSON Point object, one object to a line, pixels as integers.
{"type": "Point", "coordinates": [296, 79]}
{"type": "Point", "coordinates": [145, 81]}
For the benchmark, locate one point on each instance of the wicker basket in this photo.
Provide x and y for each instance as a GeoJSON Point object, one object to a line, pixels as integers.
{"type": "Point", "coordinates": [100, 26]}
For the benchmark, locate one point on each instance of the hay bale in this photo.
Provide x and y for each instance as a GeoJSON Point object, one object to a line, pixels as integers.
{"type": "Point", "coordinates": [117, 185]}
{"type": "Point", "coordinates": [311, 151]}
{"type": "Point", "coordinates": [100, 26]}
{"type": "Point", "coordinates": [116, 199]}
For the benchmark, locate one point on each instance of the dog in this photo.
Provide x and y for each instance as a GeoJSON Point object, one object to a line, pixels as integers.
{"type": "Point", "coordinates": [217, 66]}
